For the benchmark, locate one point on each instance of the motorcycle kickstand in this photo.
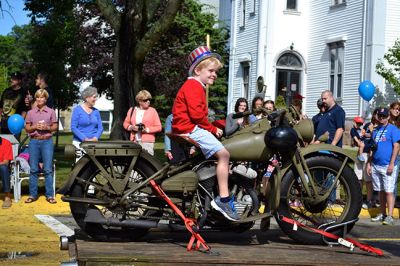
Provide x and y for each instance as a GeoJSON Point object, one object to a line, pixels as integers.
{"type": "Point", "coordinates": [191, 224]}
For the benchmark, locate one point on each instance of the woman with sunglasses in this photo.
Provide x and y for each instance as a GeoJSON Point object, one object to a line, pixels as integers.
{"type": "Point", "coordinates": [394, 117]}
{"type": "Point", "coordinates": [143, 122]}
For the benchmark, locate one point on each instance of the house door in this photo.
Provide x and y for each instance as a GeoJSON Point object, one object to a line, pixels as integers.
{"type": "Point", "coordinates": [288, 79]}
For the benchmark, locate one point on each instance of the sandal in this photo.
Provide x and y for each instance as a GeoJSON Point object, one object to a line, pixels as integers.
{"type": "Point", "coordinates": [30, 200]}
{"type": "Point", "coordinates": [51, 200]}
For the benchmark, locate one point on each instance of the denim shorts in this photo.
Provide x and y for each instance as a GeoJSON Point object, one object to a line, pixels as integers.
{"type": "Point", "coordinates": [208, 143]}
{"type": "Point", "coordinates": [381, 181]}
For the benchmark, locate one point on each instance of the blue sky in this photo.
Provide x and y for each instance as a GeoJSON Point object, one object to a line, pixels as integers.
{"type": "Point", "coordinates": [16, 11]}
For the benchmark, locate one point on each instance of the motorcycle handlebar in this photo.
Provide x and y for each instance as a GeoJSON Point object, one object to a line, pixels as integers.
{"type": "Point", "coordinates": [241, 114]}
{"type": "Point", "coordinates": [272, 116]}
{"type": "Point", "coordinates": [276, 114]}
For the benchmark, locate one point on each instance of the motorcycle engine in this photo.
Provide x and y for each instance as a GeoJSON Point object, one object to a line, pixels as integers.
{"type": "Point", "coordinates": [207, 176]}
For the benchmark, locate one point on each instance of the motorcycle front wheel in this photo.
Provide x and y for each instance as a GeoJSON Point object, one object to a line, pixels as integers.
{"type": "Point", "coordinates": [342, 205]}
{"type": "Point", "coordinates": [92, 184]}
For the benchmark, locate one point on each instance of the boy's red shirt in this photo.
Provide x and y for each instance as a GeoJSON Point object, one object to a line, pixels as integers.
{"type": "Point", "coordinates": [190, 109]}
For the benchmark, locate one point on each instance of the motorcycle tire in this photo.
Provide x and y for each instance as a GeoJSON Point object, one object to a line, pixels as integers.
{"type": "Point", "coordinates": [343, 204]}
{"type": "Point", "coordinates": [91, 173]}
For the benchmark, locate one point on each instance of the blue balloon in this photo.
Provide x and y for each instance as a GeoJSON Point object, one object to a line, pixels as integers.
{"type": "Point", "coordinates": [366, 90]}
{"type": "Point", "coordinates": [15, 123]}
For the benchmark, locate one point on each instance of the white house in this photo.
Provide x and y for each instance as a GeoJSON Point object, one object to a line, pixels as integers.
{"type": "Point", "coordinates": [309, 46]}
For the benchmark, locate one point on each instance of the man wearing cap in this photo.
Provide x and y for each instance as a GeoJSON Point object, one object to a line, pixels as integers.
{"type": "Point", "coordinates": [190, 113]}
{"type": "Point", "coordinates": [332, 121]}
{"type": "Point", "coordinates": [382, 164]}
{"type": "Point", "coordinates": [297, 105]}
{"type": "Point", "coordinates": [12, 101]}
{"type": "Point", "coordinates": [316, 118]}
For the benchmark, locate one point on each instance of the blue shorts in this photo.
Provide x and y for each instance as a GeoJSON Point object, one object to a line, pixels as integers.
{"type": "Point", "coordinates": [208, 143]}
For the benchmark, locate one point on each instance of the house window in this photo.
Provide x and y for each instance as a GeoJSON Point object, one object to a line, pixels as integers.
{"type": "Point", "coordinates": [246, 78]}
{"type": "Point", "coordinates": [338, 2]}
{"type": "Point", "coordinates": [252, 8]}
{"type": "Point", "coordinates": [336, 59]}
{"type": "Point", "coordinates": [291, 5]}
{"type": "Point", "coordinates": [242, 12]}
{"type": "Point", "coordinates": [106, 120]}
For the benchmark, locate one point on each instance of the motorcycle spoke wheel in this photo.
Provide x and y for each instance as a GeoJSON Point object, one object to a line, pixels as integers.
{"type": "Point", "coordinates": [94, 185]}
{"type": "Point", "coordinates": [343, 203]}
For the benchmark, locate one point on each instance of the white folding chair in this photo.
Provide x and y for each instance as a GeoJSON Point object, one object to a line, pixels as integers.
{"type": "Point", "coordinates": [17, 176]}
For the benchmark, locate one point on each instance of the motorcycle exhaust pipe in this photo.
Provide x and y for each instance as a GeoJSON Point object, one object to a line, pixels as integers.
{"type": "Point", "coordinates": [94, 216]}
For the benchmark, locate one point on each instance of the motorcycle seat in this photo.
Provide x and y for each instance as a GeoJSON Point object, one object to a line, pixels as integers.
{"type": "Point", "coordinates": [183, 139]}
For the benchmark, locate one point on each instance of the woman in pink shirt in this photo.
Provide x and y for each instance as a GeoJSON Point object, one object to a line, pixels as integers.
{"type": "Point", "coordinates": [143, 122]}
{"type": "Point", "coordinates": [40, 123]}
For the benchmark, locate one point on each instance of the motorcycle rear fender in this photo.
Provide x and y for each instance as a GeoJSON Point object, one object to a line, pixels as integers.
{"type": "Point", "coordinates": [78, 167]}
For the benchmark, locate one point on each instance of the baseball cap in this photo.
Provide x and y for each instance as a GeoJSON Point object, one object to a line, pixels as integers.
{"type": "Point", "coordinates": [383, 112]}
{"type": "Point", "coordinates": [358, 120]}
{"type": "Point", "coordinates": [16, 75]}
{"type": "Point", "coordinates": [298, 96]}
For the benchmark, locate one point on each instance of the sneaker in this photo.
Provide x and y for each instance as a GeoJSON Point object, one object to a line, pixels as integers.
{"type": "Point", "coordinates": [225, 208]}
{"type": "Point", "coordinates": [379, 218]}
{"type": "Point", "coordinates": [6, 203]}
{"type": "Point", "coordinates": [367, 205]}
{"type": "Point", "coordinates": [388, 220]}
{"type": "Point", "coordinates": [360, 158]}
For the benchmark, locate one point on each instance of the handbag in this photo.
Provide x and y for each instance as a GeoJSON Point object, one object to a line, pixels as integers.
{"type": "Point", "coordinates": [126, 134]}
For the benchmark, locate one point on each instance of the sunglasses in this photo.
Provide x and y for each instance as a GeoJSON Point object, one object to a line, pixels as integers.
{"type": "Point", "coordinates": [146, 100]}
{"type": "Point", "coordinates": [383, 116]}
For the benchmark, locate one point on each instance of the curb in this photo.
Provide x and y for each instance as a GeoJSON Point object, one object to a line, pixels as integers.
{"type": "Point", "coordinates": [372, 212]}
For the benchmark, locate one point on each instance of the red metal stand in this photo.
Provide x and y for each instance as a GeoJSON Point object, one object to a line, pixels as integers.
{"type": "Point", "coordinates": [348, 242]}
{"type": "Point", "coordinates": [191, 224]}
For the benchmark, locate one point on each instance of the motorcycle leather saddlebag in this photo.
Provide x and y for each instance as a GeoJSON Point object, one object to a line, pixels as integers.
{"type": "Point", "coordinates": [183, 182]}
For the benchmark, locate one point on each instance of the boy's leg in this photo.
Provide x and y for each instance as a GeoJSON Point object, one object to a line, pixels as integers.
{"type": "Point", "coordinates": [210, 146]}
{"type": "Point", "coordinates": [223, 172]}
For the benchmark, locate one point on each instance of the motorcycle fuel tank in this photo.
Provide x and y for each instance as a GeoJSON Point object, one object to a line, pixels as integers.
{"type": "Point", "coordinates": [248, 143]}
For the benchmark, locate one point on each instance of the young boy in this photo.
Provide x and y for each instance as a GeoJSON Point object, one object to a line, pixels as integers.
{"type": "Point", "coordinates": [357, 135]}
{"type": "Point", "coordinates": [190, 114]}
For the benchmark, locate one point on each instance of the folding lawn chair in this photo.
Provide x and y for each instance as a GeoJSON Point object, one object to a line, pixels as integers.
{"type": "Point", "coordinates": [18, 174]}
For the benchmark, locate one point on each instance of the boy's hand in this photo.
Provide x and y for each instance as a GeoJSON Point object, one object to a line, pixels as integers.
{"type": "Point", "coordinates": [219, 132]}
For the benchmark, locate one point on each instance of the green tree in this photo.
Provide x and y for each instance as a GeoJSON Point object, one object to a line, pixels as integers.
{"type": "Point", "coordinates": [166, 67]}
{"type": "Point", "coordinates": [16, 55]}
{"type": "Point", "coordinates": [55, 46]}
{"type": "Point", "coordinates": [389, 67]}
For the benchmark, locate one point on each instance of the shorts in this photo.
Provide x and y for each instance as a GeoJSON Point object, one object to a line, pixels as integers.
{"type": "Point", "coordinates": [381, 181]}
{"type": "Point", "coordinates": [208, 143]}
{"type": "Point", "coordinates": [360, 169]}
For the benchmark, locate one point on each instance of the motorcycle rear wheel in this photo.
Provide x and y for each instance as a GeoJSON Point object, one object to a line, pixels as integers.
{"type": "Point", "coordinates": [140, 172]}
{"type": "Point", "coordinates": [343, 204]}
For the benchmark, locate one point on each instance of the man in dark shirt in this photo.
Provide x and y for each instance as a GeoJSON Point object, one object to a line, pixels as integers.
{"type": "Point", "coordinates": [12, 101]}
{"type": "Point", "coordinates": [41, 82]}
{"type": "Point", "coordinates": [332, 121]}
{"type": "Point", "coordinates": [316, 118]}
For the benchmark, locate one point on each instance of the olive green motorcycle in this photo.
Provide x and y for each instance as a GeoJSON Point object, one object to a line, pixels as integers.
{"type": "Point", "coordinates": [114, 190]}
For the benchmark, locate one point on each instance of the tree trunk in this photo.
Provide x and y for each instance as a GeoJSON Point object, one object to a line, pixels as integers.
{"type": "Point", "coordinates": [133, 41]}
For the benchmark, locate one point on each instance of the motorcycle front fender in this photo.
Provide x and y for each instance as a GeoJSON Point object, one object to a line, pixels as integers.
{"type": "Point", "coordinates": [78, 167]}
{"type": "Point", "coordinates": [309, 151]}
